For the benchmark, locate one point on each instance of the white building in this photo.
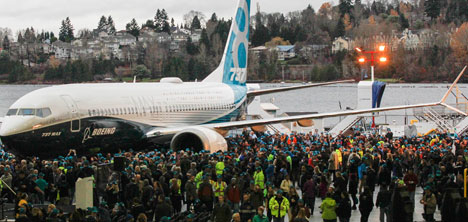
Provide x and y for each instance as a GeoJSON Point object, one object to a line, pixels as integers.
{"type": "Point", "coordinates": [341, 44]}
{"type": "Point", "coordinates": [285, 52]}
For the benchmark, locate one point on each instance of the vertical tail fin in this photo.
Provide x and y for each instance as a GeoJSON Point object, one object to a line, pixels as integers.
{"type": "Point", "coordinates": [233, 66]}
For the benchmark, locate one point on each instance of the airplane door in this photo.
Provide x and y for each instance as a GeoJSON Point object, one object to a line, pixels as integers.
{"type": "Point", "coordinates": [75, 123]}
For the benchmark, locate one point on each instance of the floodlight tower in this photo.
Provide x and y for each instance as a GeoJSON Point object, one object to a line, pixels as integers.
{"type": "Point", "coordinates": [373, 59]}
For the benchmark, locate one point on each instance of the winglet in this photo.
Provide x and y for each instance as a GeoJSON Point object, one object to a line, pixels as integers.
{"type": "Point", "coordinates": [442, 101]}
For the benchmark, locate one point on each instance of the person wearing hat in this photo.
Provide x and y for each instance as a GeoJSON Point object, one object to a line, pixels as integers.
{"type": "Point", "coordinates": [42, 184]}
{"type": "Point", "coordinates": [246, 210]}
{"type": "Point", "coordinates": [6, 178]}
{"type": "Point", "coordinates": [219, 186]}
{"type": "Point", "coordinates": [233, 195]}
{"type": "Point", "coordinates": [429, 202]}
{"type": "Point", "coordinates": [221, 212]}
{"type": "Point", "coordinates": [259, 178]}
{"type": "Point", "coordinates": [366, 203]}
{"type": "Point", "coordinates": [165, 219]}
{"type": "Point", "coordinates": [176, 193]}
{"type": "Point", "coordinates": [205, 193]}
{"type": "Point", "coordinates": [260, 216]}
{"type": "Point", "coordinates": [190, 191]}
{"type": "Point", "coordinates": [189, 217]}
{"type": "Point", "coordinates": [220, 166]}
{"type": "Point", "coordinates": [384, 198]}
{"type": "Point", "coordinates": [279, 206]}
{"type": "Point", "coordinates": [411, 180]}
{"type": "Point", "coordinates": [328, 208]}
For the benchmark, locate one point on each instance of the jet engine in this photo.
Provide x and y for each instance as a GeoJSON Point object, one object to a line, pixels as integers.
{"type": "Point", "coordinates": [199, 138]}
{"type": "Point", "coordinates": [305, 122]}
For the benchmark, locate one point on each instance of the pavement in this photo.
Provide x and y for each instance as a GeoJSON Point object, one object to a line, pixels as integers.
{"type": "Point", "coordinates": [355, 215]}
{"type": "Point", "coordinates": [375, 214]}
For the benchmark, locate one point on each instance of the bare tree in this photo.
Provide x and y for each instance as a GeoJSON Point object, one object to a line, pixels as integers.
{"type": "Point", "coordinates": [188, 18]}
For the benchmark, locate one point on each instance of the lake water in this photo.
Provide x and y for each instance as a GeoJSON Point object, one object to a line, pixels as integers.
{"type": "Point", "coordinates": [319, 99]}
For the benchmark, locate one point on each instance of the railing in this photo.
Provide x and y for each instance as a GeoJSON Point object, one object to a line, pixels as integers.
{"type": "Point", "coordinates": [442, 110]}
{"type": "Point", "coordinates": [435, 117]}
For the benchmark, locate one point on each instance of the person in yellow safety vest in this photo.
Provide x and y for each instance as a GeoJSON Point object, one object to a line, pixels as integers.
{"type": "Point", "coordinates": [220, 166]}
{"type": "Point", "coordinates": [259, 177]}
{"type": "Point", "coordinates": [199, 176]}
{"type": "Point", "coordinates": [176, 193]}
{"type": "Point", "coordinates": [219, 187]}
{"type": "Point", "coordinates": [340, 155]}
{"type": "Point", "coordinates": [279, 206]}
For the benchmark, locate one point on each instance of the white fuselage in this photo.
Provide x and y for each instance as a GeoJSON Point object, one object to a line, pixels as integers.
{"type": "Point", "coordinates": [153, 104]}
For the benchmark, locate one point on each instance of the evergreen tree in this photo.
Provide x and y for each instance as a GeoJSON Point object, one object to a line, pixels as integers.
{"type": "Point", "coordinates": [66, 31]}
{"type": "Point", "coordinates": [261, 34]}
{"type": "Point", "coordinates": [345, 7]}
{"type": "Point", "coordinates": [404, 24]}
{"type": "Point", "coordinates": [6, 43]}
{"type": "Point", "coordinates": [432, 8]}
{"type": "Point", "coordinates": [20, 38]}
{"type": "Point", "coordinates": [195, 23]}
{"type": "Point", "coordinates": [52, 37]}
{"type": "Point", "coordinates": [149, 24]}
{"type": "Point", "coordinates": [339, 29]}
{"type": "Point", "coordinates": [133, 28]}
{"type": "Point", "coordinates": [204, 39]}
{"type": "Point", "coordinates": [161, 21]}
{"type": "Point", "coordinates": [214, 18]}
{"type": "Point", "coordinates": [172, 23]}
{"type": "Point", "coordinates": [110, 26]}
{"type": "Point", "coordinates": [102, 26]}
{"type": "Point", "coordinates": [190, 47]}
{"type": "Point", "coordinates": [70, 29]}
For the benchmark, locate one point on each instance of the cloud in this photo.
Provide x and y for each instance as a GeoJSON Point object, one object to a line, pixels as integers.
{"type": "Point", "coordinates": [47, 14]}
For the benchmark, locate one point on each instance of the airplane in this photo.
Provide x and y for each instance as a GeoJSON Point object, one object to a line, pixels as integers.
{"type": "Point", "coordinates": [108, 117]}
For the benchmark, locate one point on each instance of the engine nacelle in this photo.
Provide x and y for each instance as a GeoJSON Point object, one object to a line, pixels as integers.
{"type": "Point", "coordinates": [305, 122]}
{"type": "Point", "coordinates": [259, 128]}
{"type": "Point", "coordinates": [199, 138]}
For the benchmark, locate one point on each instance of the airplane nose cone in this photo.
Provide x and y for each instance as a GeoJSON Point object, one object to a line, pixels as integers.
{"type": "Point", "coordinates": [12, 125]}
{"type": "Point", "coordinates": [6, 129]}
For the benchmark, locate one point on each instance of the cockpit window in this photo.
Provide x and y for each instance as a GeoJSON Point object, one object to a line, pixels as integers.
{"type": "Point", "coordinates": [12, 112]}
{"type": "Point", "coordinates": [27, 112]}
{"type": "Point", "coordinates": [44, 112]}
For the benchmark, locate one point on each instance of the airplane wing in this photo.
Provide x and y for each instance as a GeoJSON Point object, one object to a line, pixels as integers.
{"type": "Point", "coordinates": [282, 89]}
{"type": "Point", "coordinates": [259, 122]}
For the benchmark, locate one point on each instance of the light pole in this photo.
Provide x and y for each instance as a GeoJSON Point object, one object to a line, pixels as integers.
{"type": "Point", "coordinates": [373, 59]}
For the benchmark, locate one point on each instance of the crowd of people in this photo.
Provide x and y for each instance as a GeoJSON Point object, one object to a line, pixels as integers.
{"type": "Point", "coordinates": [261, 177]}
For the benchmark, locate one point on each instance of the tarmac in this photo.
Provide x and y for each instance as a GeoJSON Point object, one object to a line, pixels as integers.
{"type": "Point", "coordinates": [355, 215]}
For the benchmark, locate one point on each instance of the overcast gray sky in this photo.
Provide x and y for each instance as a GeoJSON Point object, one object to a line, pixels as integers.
{"type": "Point", "coordinates": [47, 14]}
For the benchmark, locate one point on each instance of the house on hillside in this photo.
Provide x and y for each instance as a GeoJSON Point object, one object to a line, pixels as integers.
{"type": "Point", "coordinates": [341, 44]}
{"type": "Point", "coordinates": [123, 39]}
{"type": "Point", "coordinates": [196, 35]}
{"type": "Point", "coordinates": [314, 51]}
{"type": "Point", "coordinates": [162, 37]}
{"type": "Point", "coordinates": [62, 50]}
{"type": "Point", "coordinates": [285, 52]}
{"type": "Point", "coordinates": [410, 39]}
{"type": "Point", "coordinates": [179, 36]}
